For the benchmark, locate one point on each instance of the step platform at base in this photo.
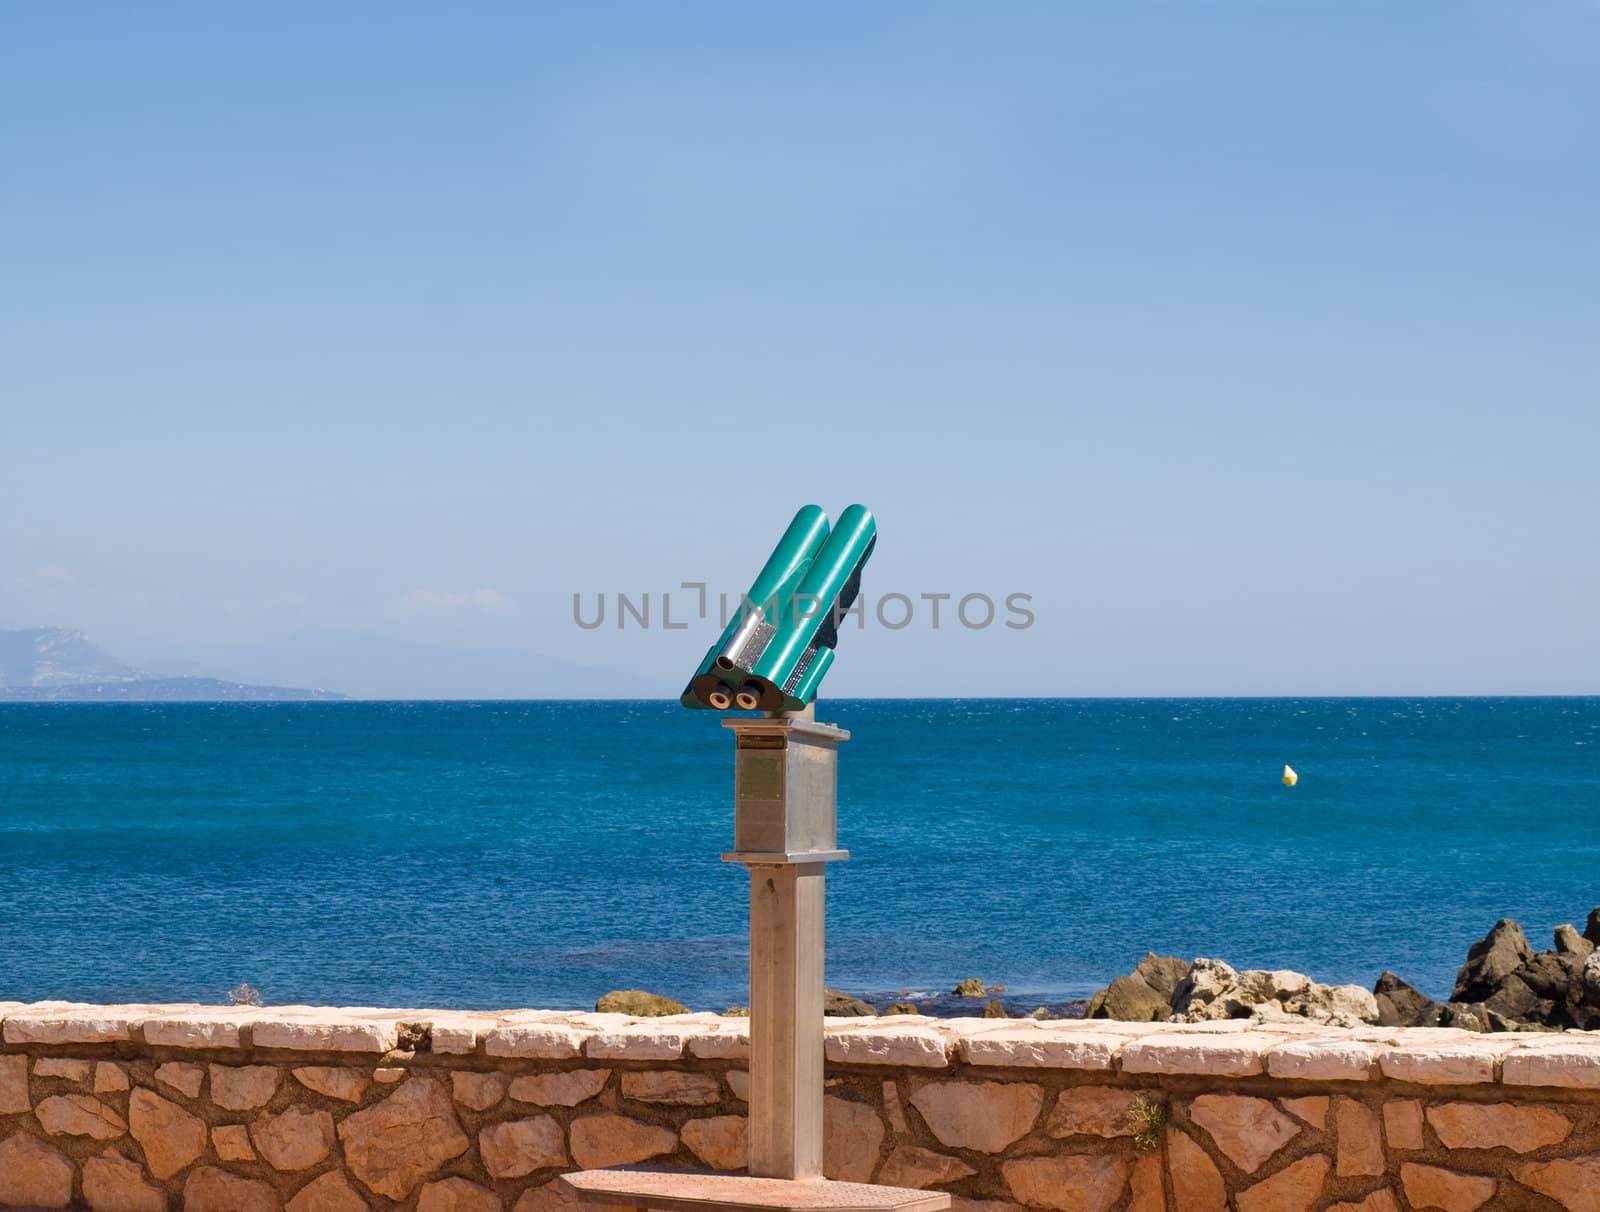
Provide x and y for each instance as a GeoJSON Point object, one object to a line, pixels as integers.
{"type": "Point", "coordinates": [693, 1191]}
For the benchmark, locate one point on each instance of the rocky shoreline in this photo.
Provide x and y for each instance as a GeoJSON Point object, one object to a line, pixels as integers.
{"type": "Point", "coordinates": [1504, 985]}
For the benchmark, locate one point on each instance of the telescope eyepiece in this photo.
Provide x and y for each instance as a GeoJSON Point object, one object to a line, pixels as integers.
{"type": "Point", "coordinates": [720, 698]}
{"type": "Point", "coordinates": [749, 697]}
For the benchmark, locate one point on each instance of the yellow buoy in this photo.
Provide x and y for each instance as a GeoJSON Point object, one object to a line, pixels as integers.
{"type": "Point", "coordinates": [1290, 778]}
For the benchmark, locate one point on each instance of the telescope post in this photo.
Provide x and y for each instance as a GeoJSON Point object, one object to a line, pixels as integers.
{"type": "Point", "coordinates": [785, 834]}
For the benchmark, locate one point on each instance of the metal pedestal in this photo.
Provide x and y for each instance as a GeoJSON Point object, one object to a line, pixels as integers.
{"type": "Point", "coordinates": [785, 832]}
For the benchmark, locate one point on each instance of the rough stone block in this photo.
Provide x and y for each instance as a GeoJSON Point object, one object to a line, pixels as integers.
{"type": "Point", "coordinates": [1042, 1049]}
{"type": "Point", "coordinates": [615, 1140]}
{"type": "Point", "coordinates": [1573, 1182]}
{"type": "Point", "coordinates": [243, 1088]}
{"type": "Point", "coordinates": [1498, 1125]}
{"type": "Point", "coordinates": [1211, 1055]}
{"type": "Point", "coordinates": [643, 1041]}
{"type": "Point", "coordinates": [671, 1086]}
{"type": "Point", "coordinates": [330, 1192]}
{"type": "Point", "coordinates": [110, 1078]}
{"type": "Point", "coordinates": [209, 1189]}
{"type": "Point", "coordinates": [337, 1082]}
{"type": "Point", "coordinates": [67, 1069]}
{"type": "Point", "coordinates": [1149, 1192]}
{"type": "Point", "coordinates": [1435, 1187]}
{"type": "Point", "coordinates": [721, 1142]}
{"type": "Point", "coordinates": [1311, 1109]}
{"type": "Point", "coordinates": [231, 1142]}
{"type": "Point", "coordinates": [170, 1137]}
{"type": "Point", "coordinates": [726, 1041]}
{"type": "Point", "coordinates": [1322, 1060]}
{"type": "Point", "coordinates": [551, 1196]}
{"type": "Point", "coordinates": [478, 1091]}
{"type": "Point", "coordinates": [544, 1041]}
{"type": "Point", "coordinates": [1092, 1111]}
{"type": "Point", "coordinates": [1292, 1189]}
{"type": "Point", "coordinates": [457, 1195]}
{"type": "Point", "coordinates": [987, 1116]}
{"type": "Point", "coordinates": [74, 1025]}
{"type": "Point", "coordinates": [459, 1034]}
{"type": "Point", "coordinates": [521, 1146]}
{"type": "Point", "coordinates": [1570, 1066]}
{"type": "Point", "coordinates": [1402, 1123]}
{"type": "Point", "coordinates": [852, 1140]}
{"type": "Point", "coordinates": [80, 1115]}
{"type": "Point", "coordinates": [861, 1043]}
{"type": "Point", "coordinates": [332, 1032]}
{"type": "Point", "coordinates": [33, 1174]}
{"type": "Point", "coordinates": [395, 1144]}
{"type": "Point", "coordinates": [1446, 1065]}
{"type": "Point", "coordinates": [1247, 1130]}
{"type": "Point", "coordinates": [1360, 1148]}
{"type": "Point", "coordinates": [211, 1028]}
{"type": "Point", "coordinates": [1381, 1200]}
{"type": "Point", "coordinates": [112, 1183]}
{"type": "Point", "coordinates": [297, 1138]}
{"type": "Point", "coordinates": [14, 1085]}
{"type": "Point", "coordinates": [566, 1089]}
{"type": "Point", "coordinates": [913, 1166]}
{"type": "Point", "coordinates": [184, 1077]}
{"type": "Point", "coordinates": [1080, 1183]}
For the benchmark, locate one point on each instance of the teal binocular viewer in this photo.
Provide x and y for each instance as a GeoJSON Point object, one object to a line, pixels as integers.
{"type": "Point", "coordinates": [778, 647]}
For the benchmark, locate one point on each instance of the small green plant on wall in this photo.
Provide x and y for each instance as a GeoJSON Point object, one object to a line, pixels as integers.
{"type": "Point", "coordinates": [1148, 1117]}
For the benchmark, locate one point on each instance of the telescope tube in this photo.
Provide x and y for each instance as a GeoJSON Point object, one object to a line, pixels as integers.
{"type": "Point", "coordinates": [845, 550]}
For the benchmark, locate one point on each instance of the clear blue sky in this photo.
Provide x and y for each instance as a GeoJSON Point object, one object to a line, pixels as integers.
{"type": "Point", "coordinates": [1259, 343]}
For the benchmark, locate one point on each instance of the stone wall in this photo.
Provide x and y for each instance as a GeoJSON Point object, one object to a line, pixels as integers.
{"type": "Point", "coordinates": [144, 1108]}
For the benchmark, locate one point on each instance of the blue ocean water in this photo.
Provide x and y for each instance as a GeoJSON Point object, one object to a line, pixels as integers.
{"type": "Point", "coordinates": [514, 854]}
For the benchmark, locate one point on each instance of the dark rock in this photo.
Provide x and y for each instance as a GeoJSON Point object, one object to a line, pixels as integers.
{"type": "Point", "coordinates": [1144, 995]}
{"type": "Point", "coordinates": [736, 1012]}
{"type": "Point", "coordinates": [1490, 960]}
{"type": "Point", "coordinates": [1498, 1022]}
{"type": "Point", "coordinates": [639, 1004]}
{"type": "Point", "coordinates": [994, 1009]}
{"type": "Point", "coordinates": [903, 1008]}
{"type": "Point", "coordinates": [1591, 929]}
{"type": "Point", "coordinates": [971, 987]}
{"type": "Point", "coordinates": [1550, 974]}
{"type": "Point", "coordinates": [837, 1003]}
{"type": "Point", "coordinates": [1428, 1016]}
{"type": "Point", "coordinates": [1570, 942]}
{"type": "Point", "coordinates": [1399, 1003]}
{"type": "Point", "coordinates": [1515, 1000]}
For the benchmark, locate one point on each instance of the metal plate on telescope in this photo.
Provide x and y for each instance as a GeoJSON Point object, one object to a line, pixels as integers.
{"type": "Point", "coordinates": [759, 774]}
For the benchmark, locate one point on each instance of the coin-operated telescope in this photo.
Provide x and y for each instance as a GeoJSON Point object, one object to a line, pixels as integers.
{"type": "Point", "coordinates": [776, 650]}
{"type": "Point", "coordinates": [785, 832]}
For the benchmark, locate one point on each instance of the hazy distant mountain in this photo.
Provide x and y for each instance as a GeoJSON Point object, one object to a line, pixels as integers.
{"type": "Point", "coordinates": [51, 664]}
{"type": "Point", "coordinates": [376, 667]}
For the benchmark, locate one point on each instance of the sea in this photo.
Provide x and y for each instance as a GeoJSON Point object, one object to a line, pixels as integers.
{"type": "Point", "coordinates": [512, 854]}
